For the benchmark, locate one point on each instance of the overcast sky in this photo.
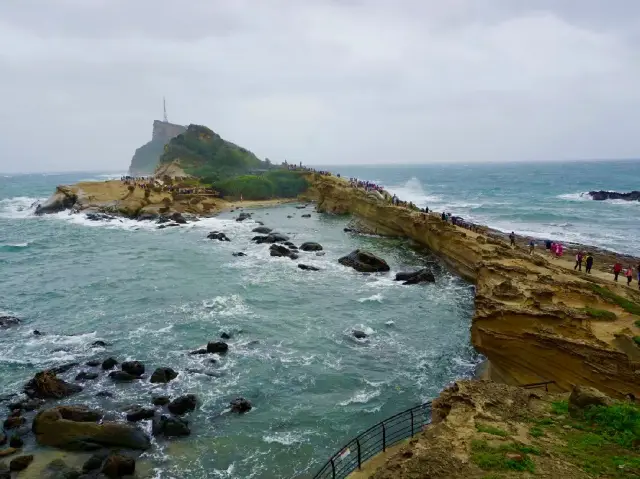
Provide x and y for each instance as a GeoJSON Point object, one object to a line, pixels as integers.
{"type": "Point", "coordinates": [321, 81]}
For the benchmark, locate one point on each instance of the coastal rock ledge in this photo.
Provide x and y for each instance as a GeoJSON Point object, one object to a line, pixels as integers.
{"type": "Point", "coordinates": [614, 195]}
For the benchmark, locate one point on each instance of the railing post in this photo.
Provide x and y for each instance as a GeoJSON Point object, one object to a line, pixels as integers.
{"type": "Point", "coordinates": [384, 438]}
{"type": "Point", "coordinates": [412, 423]}
{"type": "Point", "coordinates": [333, 469]}
{"type": "Point", "coordinates": [359, 455]}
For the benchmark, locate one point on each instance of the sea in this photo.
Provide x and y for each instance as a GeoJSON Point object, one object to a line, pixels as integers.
{"type": "Point", "coordinates": [154, 295]}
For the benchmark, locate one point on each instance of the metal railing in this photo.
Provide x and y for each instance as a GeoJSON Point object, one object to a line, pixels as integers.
{"type": "Point", "coordinates": [538, 385]}
{"type": "Point", "coordinates": [374, 440]}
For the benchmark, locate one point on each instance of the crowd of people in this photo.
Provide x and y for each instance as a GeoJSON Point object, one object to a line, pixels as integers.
{"type": "Point", "coordinates": [149, 182]}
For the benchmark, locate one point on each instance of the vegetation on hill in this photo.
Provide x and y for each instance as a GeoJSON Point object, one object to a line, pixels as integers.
{"type": "Point", "coordinates": [230, 169]}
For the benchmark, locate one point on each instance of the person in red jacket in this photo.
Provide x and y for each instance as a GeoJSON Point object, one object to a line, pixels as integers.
{"type": "Point", "coordinates": [616, 270]}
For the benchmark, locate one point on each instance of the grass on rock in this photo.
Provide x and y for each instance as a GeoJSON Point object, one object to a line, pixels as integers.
{"type": "Point", "coordinates": [600, 314]}
{"type": "Point", "coordinates": [613, 298]}
{"type": "Point", "coordinates": [491, 430]}
{"type": "Point", "coordinates": [490, 457]}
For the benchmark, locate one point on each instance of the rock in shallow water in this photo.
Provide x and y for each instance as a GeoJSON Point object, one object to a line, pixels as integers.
{"type": "Point", "coordinates": [262, 230]}
{"type": "Point", "coordinates": [8, 321]}
{"type": "Point", "coordinates": [219, 347]}
{"type": "Point", "coordinates": [109, 363]}
{"type": "Point", "coordinates": [311, 246]}
{"type": "Point", "coordinates": [359, 334]}
{"type": "Point", "coordinates": [217, 235]}
{"type": "Point", "coordinates": [135, 368]}
{"type": "Point", "coordinates": [415, 277]}
{"type": "Point", "coordinates": [163, 375]}
{"type": "Point", "coordinates": [140, 413]}
{"type": "Point", "coordinates": [307, 267]}
{"type": "Point", "coordinates": [240, 405]}
{"type": "Point", "coordinates": [77, 428]}
{"type": "Point", "coordinates": [122, 376]}
{"type": "Point", "coordinates": [364, 261]}
{"type": "Point", "coordinates": [117, 465]}
{"type": "Point", "coordinates": [170, 426]}
{"type": "Point", "coordinates": [183, 404]}
{"type": "Point", "coordinates": [46, 385]}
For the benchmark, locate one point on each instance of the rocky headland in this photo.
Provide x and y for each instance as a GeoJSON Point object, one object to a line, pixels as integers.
{"type": "Point", "coordinates": [614, 195]}
{"type": "Point", "coordinates": [146, 158]}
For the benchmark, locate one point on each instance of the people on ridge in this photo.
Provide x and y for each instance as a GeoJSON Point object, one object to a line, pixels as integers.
{"type": "Point", "coordinates": [512, 238]}
{"type": "Point", "coordinates": [589, 263]}
{"type": "Point", "coordinates": [578, 265]}
{"type": "Point", "coordinates": [629, 274]}
{"type": "Point", "coordinates": [532, 245]}
{"type": "Point", "coordinates": [616, 270]}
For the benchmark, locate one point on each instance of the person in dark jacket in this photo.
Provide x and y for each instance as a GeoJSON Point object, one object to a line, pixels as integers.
{"type": "Point", "coordinates": [589, 263]}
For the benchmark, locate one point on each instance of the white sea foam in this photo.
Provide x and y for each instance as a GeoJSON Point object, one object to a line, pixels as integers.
{"type": "Point", "coordinates": [376, 297]}
{"type": "Point", "coordinates": [17, 207]}
{"type": "Point", "coordinates": [361, 397]}
{"type": "Point", "coordinates": [580, 196]}
{"type": "Point", "coordinates": [230, 305]}
{"type": "Point", "coordinates": [413, 191]}
{"type": "Point", "coordinates": [285, 438]}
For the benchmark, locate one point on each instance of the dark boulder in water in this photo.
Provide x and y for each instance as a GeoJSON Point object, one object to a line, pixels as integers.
{"type": "Point", "coordinates": [161, 401]}
{"type": "Point", "coordinates": [225, 335]}
{"type": "Point", "coordinates": [199, 351]}
{"type": "Point", "coordinates": [135, 368]}
{"type": "Point", "coordinates": [243, 216]}
{"type": "Point", "coordinates": [178, 218]}
{"type": "Point", "coordinates": [306, 216]}
{"type": "Point", "coordinates": [46, 385]}
{"type": "Point", "coordinates": [307, 267]}
{"type": "Point", "coordinates": [217, 235]}
{"type": "Point", "coordinates": [99, 217]}
{"type": "Point", "coordinates": [239, 253]}
{"type": "Point", "coordinates": [219, 347]}
{"type": "Point", "coordinates": [149, 217]}
{"type": "Point", "coordinates": [118, 465]}
{"type": "Point", "coordinates": [263, 230]}
{"type": "Point", "coordinates": [163, 375]}
{"type": "Point", "coordinates": [104, 394]}
{"type": "Point", "coordinates": [422, 276]}
{"type": "Point", "coordinates": [614, 195]}
{"type": "Point", "coordinates": [122, 376]}
{"type": "Point", "coordinates": [183, 404]}
{"type": "Point", "coordinates": [109, 363]}
{"type": "Point", "coordinates": [365, 262]}
{"type": "Point", "coordinates": [240, 405]}
{"type": "Point", "coordinates": [170, 426]}
{"type": "Point", "coordinates": [63, 368]}
{"type": "Point", "coordinates": [311, 246]}
{"type": "Point", "coordinates": [140, 413]}
{"type": "Point", "coordinates": [8, 321]}
{"type": "Point", "coordinates": [99, 344]}
{"type": "Point", "coordinates": [359, 334]}
{"type": "Point", "coordinates": [86, 376]}
{"type": "Point", "coordinates": [93, 363]}
{"type": "Point", "coordinates": [37, 333]}
{"type": "Point", "coordinates": [279, 250]}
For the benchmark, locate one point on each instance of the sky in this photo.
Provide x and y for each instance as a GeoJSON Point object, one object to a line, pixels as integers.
{"type": "Point", "coordinates": [321, 81]}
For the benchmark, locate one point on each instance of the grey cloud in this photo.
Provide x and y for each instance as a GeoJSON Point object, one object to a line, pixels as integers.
{"type": "Point", "coordinates": [322, 81]}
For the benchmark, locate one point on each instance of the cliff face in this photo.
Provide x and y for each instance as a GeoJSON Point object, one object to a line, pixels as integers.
{"type": "Point", "coordinates": [146, 158]}
{"type": "Point", "coordinates": [534, 320]}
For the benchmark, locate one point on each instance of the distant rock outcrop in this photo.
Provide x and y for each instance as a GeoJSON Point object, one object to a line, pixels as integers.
{"type": "Point", "coordinates": [614, 195]}
{"type": "Point", "coordinates": [146, 158]}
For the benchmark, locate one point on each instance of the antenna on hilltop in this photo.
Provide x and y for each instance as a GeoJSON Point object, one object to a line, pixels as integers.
{"type": "Point", "coordinates": [164, 106]}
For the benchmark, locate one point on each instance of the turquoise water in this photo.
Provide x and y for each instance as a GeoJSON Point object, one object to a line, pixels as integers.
{"type": "Point", "coordinates": [155, 294]}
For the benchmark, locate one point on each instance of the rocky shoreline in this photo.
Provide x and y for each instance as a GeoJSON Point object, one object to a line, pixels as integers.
{"type": "Point", "coordinates": [614, 195]}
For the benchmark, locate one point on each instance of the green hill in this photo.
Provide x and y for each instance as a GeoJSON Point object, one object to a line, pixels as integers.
{"type": "Point", "coordinates": [232, 170]}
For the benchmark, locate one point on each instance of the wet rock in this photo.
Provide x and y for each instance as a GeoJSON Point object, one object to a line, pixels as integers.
{"type": "Point", "coordinates": [77, 428]}
{"type": "Point", "coordinates": [26, 405]}
{"type": "Point", "coordinates": [161, 401]}
{"type": "Point", "coordinates": [16, 441]}
{"type": "Point", "coordinates": [243, 216]}
{"type": "Point", "coordinates": [122, 376]}
{"type": "Point", "coordinates": [225, 335]}
{"type": "Point", "coordinates": [199, 351]}
{"type": "Point", "coordinates": [140, 413]}
{"type": "Point", "coordinates": [178, 218]}
{"type": "Point", "coordinates": [240, 405]}
{"type": "Point", "coordinates": [364, 261]}
{"type": "Point", "coordinates": [320, 253]}
{"type": "Point", "coordinates": [37, 333]}
{"type": "Point", "coordinates": [289, 216]}
{"type": "Point", "coordinates": [163, 219]}
{"type": "Point", "coordinates": [307, 267]}
{"type": "Point", "coordinates": [289, 244]}
{"type": "Point", "coordinates": [8, 321]}
{"type": "Point", "coordinates": [20, 463]}
{"type": "Point", "coordinates": [421, 276]}
{"type": "Point", "coordinates": [163, 375]}
{"type": "Point", "coordinates": [8, 451]}
{"type": "Point", "coordinates": [135, 368]}
{"type": "Point", "coordinates": [271, 238]}
{"type": "Point", "coordinates": [219, 347]}
{"type": "Point", "coordinates": [170, 426]}
{"type": "Point", "coordinates": [57, 469]}
{"type": "Point", "coordinates": [99, 344]}
{"type": "Point", "coordinates": [148, 217]}
{"type": "Point", "coordinates": [614, 195]}
{"type": "Point", "coordinates": [46, 385]}
{"type": "Point", "coordinates": [99, 217]}
{"type": "Point", "coordinates": [93, 363]}
{"type": "Point", "coordinates": [358, 334]}
{"type": "Point", "coordinates": [217, 235]}
{"type": "Point", "coordinates": [279, 250]}
{"type": "Point", "coordinates": [117, 465]}
{"type": "Point", "coordinates": [183, 404]}
{"type": "Point", "coordinates": [262, 230]}
{"type": "Point", "coordinates": [13, 422]}
{"type": "Point", "coordinates": [86, 376]}
{"type": "Point", "coordinates": [59, 201]}
{"type": "Point", "coordinates": [306, 216]}
{"type": "Point", "coordinates": [311, 246]}
{"type": "Point", "coordinates": [583, 396]}
{"type": "Point", "coordinates": [109, 363]}
{"type": "Point", "coordinates": [104, 394]}
{"type": "Point", "coordinates": [94, 462]}
{"type": "Point", "coordinates": [239, 253]}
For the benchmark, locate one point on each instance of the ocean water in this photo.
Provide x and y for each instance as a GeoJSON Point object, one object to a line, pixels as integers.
{"type": "Point", "coordinates": [545, 200]}
{"type": "Point", "coordinates": [154, 295]}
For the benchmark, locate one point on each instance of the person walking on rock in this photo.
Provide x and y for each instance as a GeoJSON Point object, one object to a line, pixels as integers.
{"type": "Point", "coordinates": [578, 265]}
{"type": "Point", "coordinates": [629, 274]}
{"type": "Point", "coordinates": [616, 270]}
{"type": "Point", "coordinates": [512, 237]}
{"type": "Point", "coordinates": [589, 263]}
{"type": "Point", "coordinates": [532, 245]}
{"type": "Point", "coordinates": [638, 275]}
